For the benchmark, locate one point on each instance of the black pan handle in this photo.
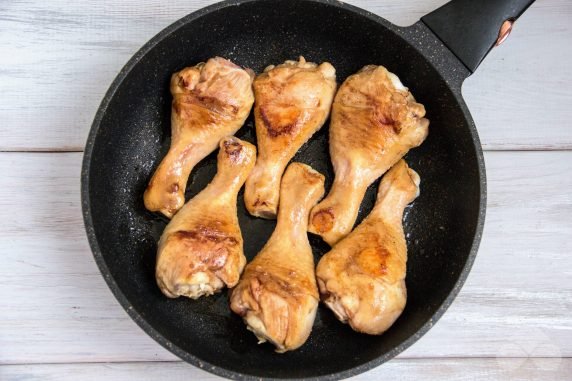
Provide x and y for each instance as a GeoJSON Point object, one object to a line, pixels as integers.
{"type": "Point", "coordinates": [470, 28]}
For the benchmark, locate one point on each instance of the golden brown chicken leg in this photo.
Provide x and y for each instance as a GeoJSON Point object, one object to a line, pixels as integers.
{"type": "Point", "coordinates": [210, 101]}
{"type": "Point", "coordinates": [200, 250]}
{"type": "Point", "coordinates": [277, 295]}
{"type": "Point", "coordinates": [375, 121]}
{"type": "Point", "coordinates": [293, 101]}
{"type": "Point", "coordinates": [362, 279]}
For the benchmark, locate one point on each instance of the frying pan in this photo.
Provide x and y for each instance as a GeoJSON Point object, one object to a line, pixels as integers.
{"type": "Point", "coordinates": [131, 132]}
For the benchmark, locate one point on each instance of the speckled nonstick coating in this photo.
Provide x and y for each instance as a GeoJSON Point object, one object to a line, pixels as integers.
{"type": "Point", "coordinates": [130, 135]}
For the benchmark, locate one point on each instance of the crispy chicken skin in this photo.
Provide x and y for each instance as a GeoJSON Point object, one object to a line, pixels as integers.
{"type": "Point", "coordinates": [200, 250]}
{"type": "Point", "coordinates": [292, 102]}
{"type": "Point", "coordinates": [277, 295]}
{"type": "Point", "coordinates": [210, 101]}
{"type": "Point", "coordinates": [375, 122]}
{"type": "Point", "coordinates": [362, 279]}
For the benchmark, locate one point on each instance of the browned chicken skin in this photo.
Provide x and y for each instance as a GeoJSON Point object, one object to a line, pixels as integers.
{"type": "Point", "coordinates": [293, 101]}
{"type": "Point", "coordinates": [200, 250]}
{"type": "Point", "coordinates": [362, 279]}
{"type": "Point", "coordinates": [210, 101]}
{"type": "Point", "coordinates": [375, 121]}
{"type": "Point", "coordinates": [277, 295]}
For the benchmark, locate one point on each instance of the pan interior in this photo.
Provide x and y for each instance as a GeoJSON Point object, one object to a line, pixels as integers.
{"type": "Point", "coordinates": [134, 135]}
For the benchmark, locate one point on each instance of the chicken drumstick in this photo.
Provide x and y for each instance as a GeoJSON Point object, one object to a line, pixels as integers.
{"type": "Point", "coordinates": [200, 250]}
{"type": "Point", "coordinates": [277, 295]}
{"type": "Point", "coordinates": [375, 121]}
{"type": "Point", "coordinates": [293, 101]}
{"type": "Point", "coordinates": [210, 101]}
{"type": "Point", "coordinates": [362, 279]}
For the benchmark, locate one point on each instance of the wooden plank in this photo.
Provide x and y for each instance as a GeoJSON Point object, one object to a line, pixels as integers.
{"type": "Point", "coordinates": [57, 308]}
{"type": "Point", "coordinates": [461, 369]}
{"type": "Point", "coordinates": [59, 57]}
{"type": "Point", "coordinates": [508, 95]}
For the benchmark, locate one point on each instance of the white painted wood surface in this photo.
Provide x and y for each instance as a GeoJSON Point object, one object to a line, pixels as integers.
{"type": "Point", "coordinates": [539, 369]}
{"type": "Point", "coordinates": [59, 321]}
{"type": "Point", "coordinates": [58, 57]}
{"type": "Point", "coordinates": [56, 307]}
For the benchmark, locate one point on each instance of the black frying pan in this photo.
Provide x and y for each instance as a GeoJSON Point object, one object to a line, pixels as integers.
{"type": "Point", "coordinates": [131, 131]}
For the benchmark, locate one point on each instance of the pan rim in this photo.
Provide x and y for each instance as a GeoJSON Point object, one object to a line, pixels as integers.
{"type": "Point", "coordinates": [148, 328]}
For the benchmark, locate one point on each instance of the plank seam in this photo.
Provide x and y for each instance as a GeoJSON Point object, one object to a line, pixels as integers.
{"type": "Point", "coordinates": [461, 358]}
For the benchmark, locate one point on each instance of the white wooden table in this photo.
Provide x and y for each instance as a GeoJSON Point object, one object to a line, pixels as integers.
{"type": "Point", "coordinates": [59, 321]}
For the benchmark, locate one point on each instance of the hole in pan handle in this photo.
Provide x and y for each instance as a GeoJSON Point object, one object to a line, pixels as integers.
{"type": "Point", "coordinates": [470, 29]}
